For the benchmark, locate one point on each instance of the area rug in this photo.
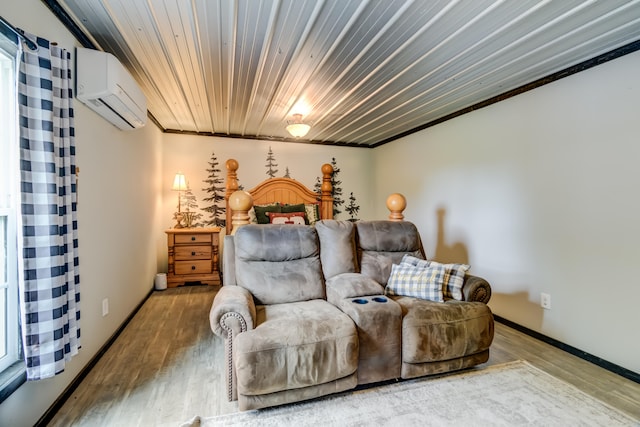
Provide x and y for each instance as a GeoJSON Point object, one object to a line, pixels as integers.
{"type": "Point", "coordinates": [511, 394]}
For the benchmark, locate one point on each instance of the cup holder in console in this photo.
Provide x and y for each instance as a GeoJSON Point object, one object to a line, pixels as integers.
{"type": "Point", "coordinates": [364, 301]}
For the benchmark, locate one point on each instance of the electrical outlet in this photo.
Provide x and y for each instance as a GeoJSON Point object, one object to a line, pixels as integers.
{"type": "Point", "coordinates": [105, 307]}
{"type": "Point", "coordinates": [545, 301]}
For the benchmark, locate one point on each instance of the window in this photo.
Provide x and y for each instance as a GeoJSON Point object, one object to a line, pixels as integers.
{"type": "Point", "coordinates": [10, 347]}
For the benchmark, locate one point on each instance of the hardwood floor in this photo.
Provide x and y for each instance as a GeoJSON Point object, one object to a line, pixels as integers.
{"type": "Point", "coordinates": [167, 366]}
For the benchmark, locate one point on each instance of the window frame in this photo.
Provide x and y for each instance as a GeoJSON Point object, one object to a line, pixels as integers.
{"type": "Point", "coordinates": [12, 366]}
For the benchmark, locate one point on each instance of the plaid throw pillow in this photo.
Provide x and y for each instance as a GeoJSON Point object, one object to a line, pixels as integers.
{"type": "Point", "coordinates": [411, 281]}
{"type": "Point", "coordinates": [454, 276]}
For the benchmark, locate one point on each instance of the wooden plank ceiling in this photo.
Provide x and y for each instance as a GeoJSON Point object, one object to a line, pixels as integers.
{"type": "Point", "coordinates": [361, 72]}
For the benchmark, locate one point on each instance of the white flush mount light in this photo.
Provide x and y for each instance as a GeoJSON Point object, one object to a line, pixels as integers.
{"type": "Point", "coordinates": [297, 128]}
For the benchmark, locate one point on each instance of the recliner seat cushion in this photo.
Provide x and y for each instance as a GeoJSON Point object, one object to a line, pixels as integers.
{"type": "Point", "coordinates": [295, 345]}
{"type": "Point", "coordinates": [435, 331]}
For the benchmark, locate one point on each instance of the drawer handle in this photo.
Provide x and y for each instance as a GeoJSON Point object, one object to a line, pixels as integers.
{"type": "Point", "coordinates": [193, 238]}
{"type": "Point", "coordinates": [193, 267]}
{"type": "Point", "coordinates": [193, 254]}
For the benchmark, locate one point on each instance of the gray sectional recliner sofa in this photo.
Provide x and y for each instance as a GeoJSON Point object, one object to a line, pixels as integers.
{"type": "Point", "coordinates": [304, 312]}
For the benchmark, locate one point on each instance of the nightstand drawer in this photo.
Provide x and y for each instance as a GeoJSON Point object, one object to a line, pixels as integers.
{"type": "Point", "coordinates": [193, 252]}
{"type": "Point", "coordinates": [193, 267]}
{"type": "Point", "coordinates": [195, 238]}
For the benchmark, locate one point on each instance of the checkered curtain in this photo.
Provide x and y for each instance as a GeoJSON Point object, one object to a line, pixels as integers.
{"type": "Point", "coordinates": [50, 295]}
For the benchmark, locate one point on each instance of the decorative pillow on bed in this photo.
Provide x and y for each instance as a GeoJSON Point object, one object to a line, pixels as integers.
{"type": "Point", "coordinates": [295, 208]}
{"type": "Point", "coordinates": [412, 281]}
{"type": "Point", "coordinates": [262, 210]}
{"type": "Point", "coordinates": [454, 276]}
{"type": "Point", "coordinates": [252, 215]}
{"type": "Point", "coordinates": [286, 218]}
{"type": "Point", "coordinates": [313, 212]}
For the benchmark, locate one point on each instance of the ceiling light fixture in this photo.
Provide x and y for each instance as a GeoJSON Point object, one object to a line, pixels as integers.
{"type": "Point", "coordinates": [297, 128]}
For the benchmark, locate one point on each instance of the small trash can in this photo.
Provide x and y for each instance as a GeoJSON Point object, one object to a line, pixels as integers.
{"type": "Point", "coordinates": [161, 281]}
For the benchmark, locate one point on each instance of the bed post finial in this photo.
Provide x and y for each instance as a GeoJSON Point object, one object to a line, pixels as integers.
{"type": "Point", "coordinates": [396, 203]}
{"type": "Point", "coordinates": [231, 186]}
{"type": "Point", "coordinates": [240, 202]}
{"type": "Point", "coordinates": [326, 189]}
{"type": "Point", "coordinates": [232, 176]}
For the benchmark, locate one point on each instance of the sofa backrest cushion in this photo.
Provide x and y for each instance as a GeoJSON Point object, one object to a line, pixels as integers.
{"type": "Point", "coordinates": [229, 260]}
{"type": "Point", "coordinates": [337, 247]}
{"type": "Point", "coordinates": [383, 243]}
{"type": "Point", "coordinates": [278, 263]}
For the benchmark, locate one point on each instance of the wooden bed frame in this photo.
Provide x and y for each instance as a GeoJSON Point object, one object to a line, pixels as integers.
{"type": "Point", "coordinates": [282, 190]}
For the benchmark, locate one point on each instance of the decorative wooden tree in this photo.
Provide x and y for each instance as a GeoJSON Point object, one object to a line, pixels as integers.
{"type": "Point", "coordinates": [215, 189]}
{"type": "Point", "coordinates": [286, 173]}
{"type": "Point", "coordinates": [352, 208]}
{"type": "Point", "coordinates": [271, 171]}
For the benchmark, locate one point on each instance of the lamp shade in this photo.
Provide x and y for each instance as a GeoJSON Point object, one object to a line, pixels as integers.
{"type": "Point", "coordinates": [179, 182]}
{"type": "Point", "coordinates": [298, 130]}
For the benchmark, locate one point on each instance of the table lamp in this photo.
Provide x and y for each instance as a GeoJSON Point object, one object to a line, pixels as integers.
{"type": "Point", "coordinates": [179, 184]}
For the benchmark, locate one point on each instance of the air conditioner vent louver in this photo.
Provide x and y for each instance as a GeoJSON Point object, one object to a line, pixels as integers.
{"type": "Point", "coordinates": [105, 86]}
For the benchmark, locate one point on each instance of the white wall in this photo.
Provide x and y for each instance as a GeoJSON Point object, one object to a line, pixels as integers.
{"type": "Point", "coordinates": [539, 194]}
{"type": "Point", "coordinates": [191, 154]}
{"type": "Point", "coordinates": [118, 218]}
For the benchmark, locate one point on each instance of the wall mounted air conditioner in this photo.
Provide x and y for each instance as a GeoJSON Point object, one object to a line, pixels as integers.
{"type": "Point", "coordinates": [105, 86]}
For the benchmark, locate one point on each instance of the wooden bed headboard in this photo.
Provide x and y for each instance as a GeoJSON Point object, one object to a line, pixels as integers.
{"type": "Point", "coordinates": [281, 190]}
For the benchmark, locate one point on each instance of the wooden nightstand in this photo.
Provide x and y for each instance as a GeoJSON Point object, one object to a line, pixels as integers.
{"type": "Point", "coordinates": [193, 256]}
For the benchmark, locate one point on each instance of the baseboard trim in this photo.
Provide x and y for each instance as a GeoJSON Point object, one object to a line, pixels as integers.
{"type": "Point", "coordinates": [612, 367]}
{"type": "Point", "coordinates": [46, 418]}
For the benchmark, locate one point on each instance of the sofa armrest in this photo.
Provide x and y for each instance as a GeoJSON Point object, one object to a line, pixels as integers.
{"type": "Point", "coordinates": [233, 312]}
{"type": "Point", "coordinates": [476, 289]}
{"type": "Point", "coordinates": [351, 285]}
